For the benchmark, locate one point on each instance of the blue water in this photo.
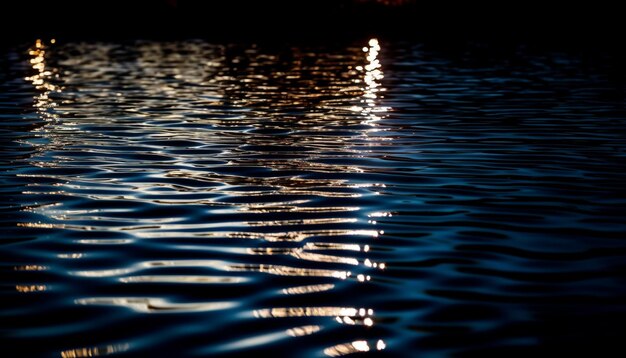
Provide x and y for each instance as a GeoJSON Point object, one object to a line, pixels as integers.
{"type": "Point", "coordinates": [189, 198]}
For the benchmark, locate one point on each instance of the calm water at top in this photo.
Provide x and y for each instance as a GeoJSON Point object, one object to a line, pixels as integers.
{"type": "Point", "coordinates": [195, 199]}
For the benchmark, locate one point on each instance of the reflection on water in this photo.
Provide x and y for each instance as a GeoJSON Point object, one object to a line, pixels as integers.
{"type": "Point", "coordinates": [94, 351]}
{"type": "Point", "coordinates": [352, 347]}
{"type": "Point", "coordinates": [41, 82]}
{"type": "Point", "coordinates": [187, 198]}
{"type": "Point", "coordinates": [151, 305]}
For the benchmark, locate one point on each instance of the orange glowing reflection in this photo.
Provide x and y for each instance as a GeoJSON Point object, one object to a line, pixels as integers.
{"type": "Point", "coordinates": [95, 351]}
{"type": "Point", "coordinates": [41, 81]}
{"type": "Point", "coordinates": [30, 268]}
{"type": "Point", "coordinates": [30, 288]}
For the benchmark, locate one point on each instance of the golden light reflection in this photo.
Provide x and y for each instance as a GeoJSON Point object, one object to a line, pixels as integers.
{"type": "Point", "coordinates": [95, 351]}
{"type": "Point", "coordinates": [40, 225]}
{"type": "Point", "coordinates": [351, 312]}
{"type": "Point", "coordinates": [342, 315]}
{"type": "Point", "coordinates": [320, 221]}
{"type": "Point", "coordinates": [30, 288]}
{"type": "Point", "coordinates": [300, 290]}
{"type": "Point", "coordinates": [173, 230]}
{"type": "Point", "coordinates": [289, 207]}
{"type": "Point", "coordinates": [293, 192]}
{"type": "Point", "coordinates": [292, 271]}
{"type": "Point", "coordinates": [303, 331]}
{"type": "Point", "coordinates": [41, 81]}
{"type": "Point", "coordinates": [303, 255]}
{"type": "Point", "coordinates": [334, 246]}
{"type": "Point", "coordinates": [293, 236]}
{"type": "Point", "coordinates": [353, 347]}
{"type": "Point", "coordinates": [30, 268]}
{"type": "Point", "coordinates": [309, 256]}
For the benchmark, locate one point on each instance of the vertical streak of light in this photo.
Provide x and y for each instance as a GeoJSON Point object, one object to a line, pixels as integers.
{"type": "Point", "coordinates": [370, 108]}
{"type": "Point", "coordinates": [41, 81]}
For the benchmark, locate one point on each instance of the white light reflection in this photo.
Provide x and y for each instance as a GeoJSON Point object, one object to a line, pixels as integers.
{"type": "Point", "coordinates": [342, 315]}
{"type": "Point", "coordinates": [353, 347]}
{"type": "Point", "coordinates": [303, 331]}
{"type": "Point", "coordinates": [155, 304]}
{"type": "Point", "coordinates": [373, 74]}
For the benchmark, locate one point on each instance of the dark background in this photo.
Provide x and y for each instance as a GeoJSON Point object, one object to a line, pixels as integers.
{"type": "Point", "coordinates": [576, 24]}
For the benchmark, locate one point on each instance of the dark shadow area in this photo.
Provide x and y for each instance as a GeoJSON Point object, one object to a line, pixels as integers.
{"type": "Point", "coordinates": [579, 24]}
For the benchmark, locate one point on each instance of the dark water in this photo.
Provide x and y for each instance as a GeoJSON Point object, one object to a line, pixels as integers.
{"type": "Point", "coordinates": [184, 198]}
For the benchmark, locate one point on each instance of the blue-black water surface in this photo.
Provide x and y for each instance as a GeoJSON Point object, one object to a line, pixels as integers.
{"type": "Point", "coordinates": [187, 198]}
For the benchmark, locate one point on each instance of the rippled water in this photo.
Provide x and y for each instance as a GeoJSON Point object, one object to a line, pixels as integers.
{"type": "Point", "coordinates": [187, 198]}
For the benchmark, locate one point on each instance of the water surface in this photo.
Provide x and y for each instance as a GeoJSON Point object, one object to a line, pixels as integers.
{"type": "Point", "coordinates": [188, 198]}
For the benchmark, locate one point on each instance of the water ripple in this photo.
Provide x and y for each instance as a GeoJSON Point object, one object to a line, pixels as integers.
{"type": "Point", "coordinates": [187, 198]}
